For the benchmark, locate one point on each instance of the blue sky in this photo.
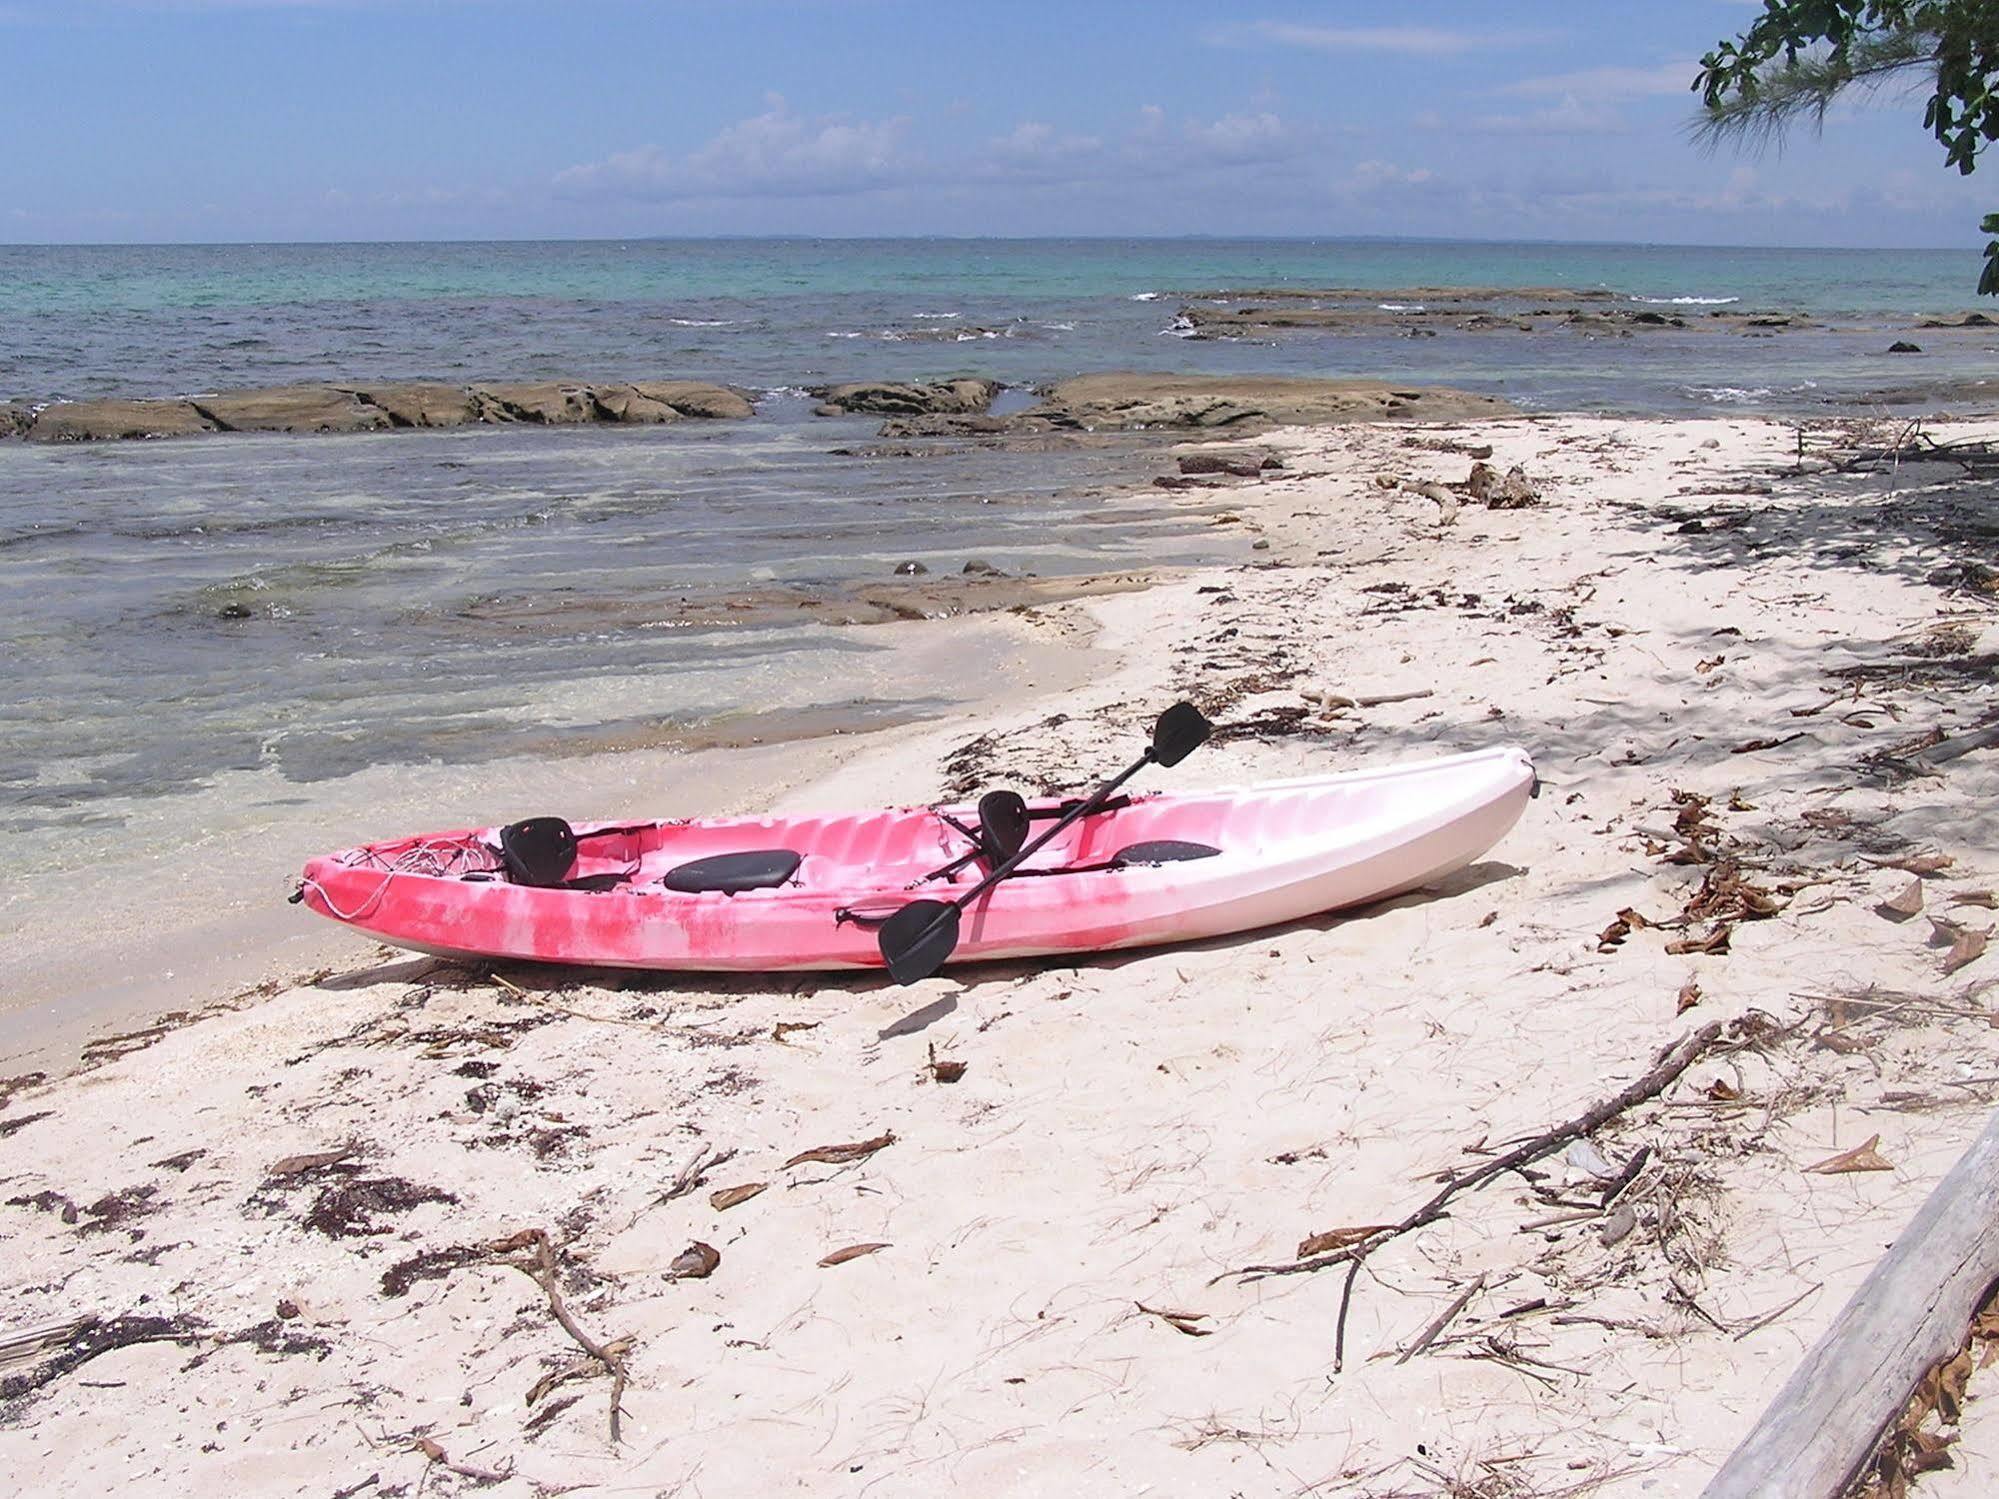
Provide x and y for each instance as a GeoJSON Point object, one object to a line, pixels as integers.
{"type": "Point", "coordinates": [426, 119]}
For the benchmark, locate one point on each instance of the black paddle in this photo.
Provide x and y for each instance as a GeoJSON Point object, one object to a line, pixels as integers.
{"type": "Point", "coordinates": [916, 941]}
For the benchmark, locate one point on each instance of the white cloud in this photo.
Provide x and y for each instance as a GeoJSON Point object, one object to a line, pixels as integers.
{"type": "Point", "coordinates": [1412, 41]}
{"type": "Point", "coordinates": [776, 154]}
{"type": "Point", "coordinates": [1569, 116]}
{"type": "Point", "coordinates": [1374, 174]}
{"type": "Point", "coordinates": [1036, 148]}
{"type": "Point", "coordinates": [1237, 140]}
{"type": "Point", "coordinates": [1600, 85]}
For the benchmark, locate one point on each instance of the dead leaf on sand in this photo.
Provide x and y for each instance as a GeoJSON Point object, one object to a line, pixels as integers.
{"type": "Point", "coordinates": [851, 1252]}
{"type": "Point", "coordinates": [1983, 899]}
{"type": "Point", "coordinates": [1690, 995]}
{"type": "Point", "coordinates": [1750, 746]}
{"type": "Point", "coordinates": [696, 1262]}
{"type": "Point", "coordinates": [786, 1027]}
{"type": "Point", "coordinates": [1338, 1238]}
{"type": "Point", "coordinates": [1863, 1157]}
{"type": "Point", "coordinates": [944, 1070]}
{"type": "Point", "coordinates": [1967, 943]}
{"type": "Point", "coordinates": [1714, 941]}
{"type": "Point", "coordinates": [1904, 903]}
{"type": "Point", "coordinates": [1917, 863]}
{"type": "Point", "coordinates": [296, 1165]}
{"type": "Point", "coordinates": [729, 1197]}
{"type": "Point", "coordinates": [1178, 1321]}
{"type": "Point", "coordinates": [840, 1155]}
{"type": "Point", "coordinates": [1612, 937]}
{"type": "Point", "coordinates": [1723, 1091]}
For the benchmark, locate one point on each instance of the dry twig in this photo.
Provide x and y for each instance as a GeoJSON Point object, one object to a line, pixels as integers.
{"type": "Point", "coordinates": [540, 1267]}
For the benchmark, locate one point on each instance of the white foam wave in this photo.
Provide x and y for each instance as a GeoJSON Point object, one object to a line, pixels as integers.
{"type": "Point", "coordinates": [1401, 307]}
{"type": "Point", "coordinates": [1728, 395]}
{"type": "Point", "coordinates": [1181, 327]}
{"type": "Point", "coordinates": [1688, 301]}
{"type": "Point", "coordinates": [703, 322]}
{"type": "Point", "coordinates": [940, 316]}
{"type": "Point", "coordinates": [1146, 296]}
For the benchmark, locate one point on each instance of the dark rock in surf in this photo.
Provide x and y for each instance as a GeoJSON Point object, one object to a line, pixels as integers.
{"type": "Point", "coordinates": [91, 421]}
{"type": "Point", "coordinates": [944, 424]}
{"type": "Point", "coordinates": [697, 398]}
{"type": "Point", "coordinates": [978, 567]}
{"type": "Point", "coordinates": [963, 396]}
{"type": "Point", "coordinates": [1903, 346]}
{"type": "Point", "coordinates": [421, 404]}
{"type": "Point", "coordinates": [910, 569]}
{"type": "Point", "coordinates": [292, 408]}
{"type": "Point", "coordinates": [1237, 465]}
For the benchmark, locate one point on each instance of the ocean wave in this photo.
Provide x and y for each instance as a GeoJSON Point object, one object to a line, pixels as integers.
{"type": "Point", "coordinates": [1729, 395]}
{"type": "Point", "coordinates": [1058, 327]}
{"type": "Point", "coordinates": [1688, 301]}
{"type": "Point", "coordinates": [937, 316]}
{"type": "Point", "coordinates": [1145, 296]}
{"type": "Point", "coordinates": [703, 322]}
{"type": "Point", "coordinates": [1401, 307]}
{"type": "Point", "coordinates": [1181, 327]}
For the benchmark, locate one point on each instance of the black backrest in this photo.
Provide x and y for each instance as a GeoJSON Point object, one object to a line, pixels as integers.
{"type": "Point", "coordinates": [538, 850]}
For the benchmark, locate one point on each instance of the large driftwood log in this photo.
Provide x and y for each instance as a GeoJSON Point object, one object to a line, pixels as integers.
{"type": "Point", "coordinates": [1908, 1315]}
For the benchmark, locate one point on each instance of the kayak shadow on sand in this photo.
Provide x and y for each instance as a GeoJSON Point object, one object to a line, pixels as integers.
{"type": "Point", "coordinates": [1472, 877]}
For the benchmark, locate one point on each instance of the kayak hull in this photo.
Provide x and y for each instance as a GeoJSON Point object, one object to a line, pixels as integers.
{"type": "Point", "coordinates": [1283, 851]}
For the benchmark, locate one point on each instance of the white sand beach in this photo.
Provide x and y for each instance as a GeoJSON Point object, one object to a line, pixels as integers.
{"type": "Point", "coordinates": [293, 1218]}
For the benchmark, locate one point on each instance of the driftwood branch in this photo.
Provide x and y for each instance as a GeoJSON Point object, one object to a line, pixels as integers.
{"type": "Point", "coordinates": [1946, 750]}
{"type": "Point", "coordinates": [1908, 1316]}
{"type": "Point", "coordinates": [540, 1267]}
{"type": "Point", "coordinates": [1675, 1060]}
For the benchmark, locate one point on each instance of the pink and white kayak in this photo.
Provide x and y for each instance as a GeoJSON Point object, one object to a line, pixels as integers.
{"type": "Point", "coordinates": [811, 892]}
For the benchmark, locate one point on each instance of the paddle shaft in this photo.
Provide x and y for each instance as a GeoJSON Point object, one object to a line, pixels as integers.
{"type": "Point", "coordinates": [1075, 814]}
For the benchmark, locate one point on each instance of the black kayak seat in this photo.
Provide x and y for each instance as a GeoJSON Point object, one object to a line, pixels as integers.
{"type": "Point", "coordinates": [538, 851]}
{"type": "Point", "coordinates": [754, 869]}
{"type": "Point", "coordinates": [1163, 851]}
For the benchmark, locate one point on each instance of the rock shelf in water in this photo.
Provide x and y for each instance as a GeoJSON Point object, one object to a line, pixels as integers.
{"type": "Point", "coordinates": [377, 407]}
{"type": "Point", "coordinates": [956, 407]}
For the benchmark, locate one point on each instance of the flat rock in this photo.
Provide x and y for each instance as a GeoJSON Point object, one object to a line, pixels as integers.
{"type": "Point", "coordinates": [1128, 400]}
{"type": "Point", "coordinates": [421, 404]}
{"type": "Point", "coordinates": [547, 402]}
{"type": "Point", "coordinates": [963, 396]}
{"type": "Point", "coordinates": [94, 421]}
{"type": "Point", "coordinates": [699, 399]}
{"type": "Point", "coordinates": [14, 420]}
{"type": "Point", "coordinates": [292, 408]}
{"type": "Point", "coordinates": [627, 403]}
{"type": "Point", "coordinates": [943, 424]}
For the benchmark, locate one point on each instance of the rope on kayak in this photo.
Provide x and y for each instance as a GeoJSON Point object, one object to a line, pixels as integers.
{"type": "Point", "coordinates": [374, 899]}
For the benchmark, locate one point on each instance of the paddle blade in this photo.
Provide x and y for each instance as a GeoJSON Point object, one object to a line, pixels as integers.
{"type": "Point", "coordinates": [917, 939]}
{"type": "Point", "coordinates": [1003, 821]}
{"type": "Point", "coordinates": [1180, 731]}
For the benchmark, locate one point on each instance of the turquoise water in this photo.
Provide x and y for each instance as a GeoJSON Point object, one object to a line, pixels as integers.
{"type": "Point", "coordinates": [160, 320]}
{"type": "Point", "coordinates": [86, 279]}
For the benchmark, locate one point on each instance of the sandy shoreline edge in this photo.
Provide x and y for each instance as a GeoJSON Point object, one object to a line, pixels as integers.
{"type": "Point", "coordinates": [1706, 651]}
